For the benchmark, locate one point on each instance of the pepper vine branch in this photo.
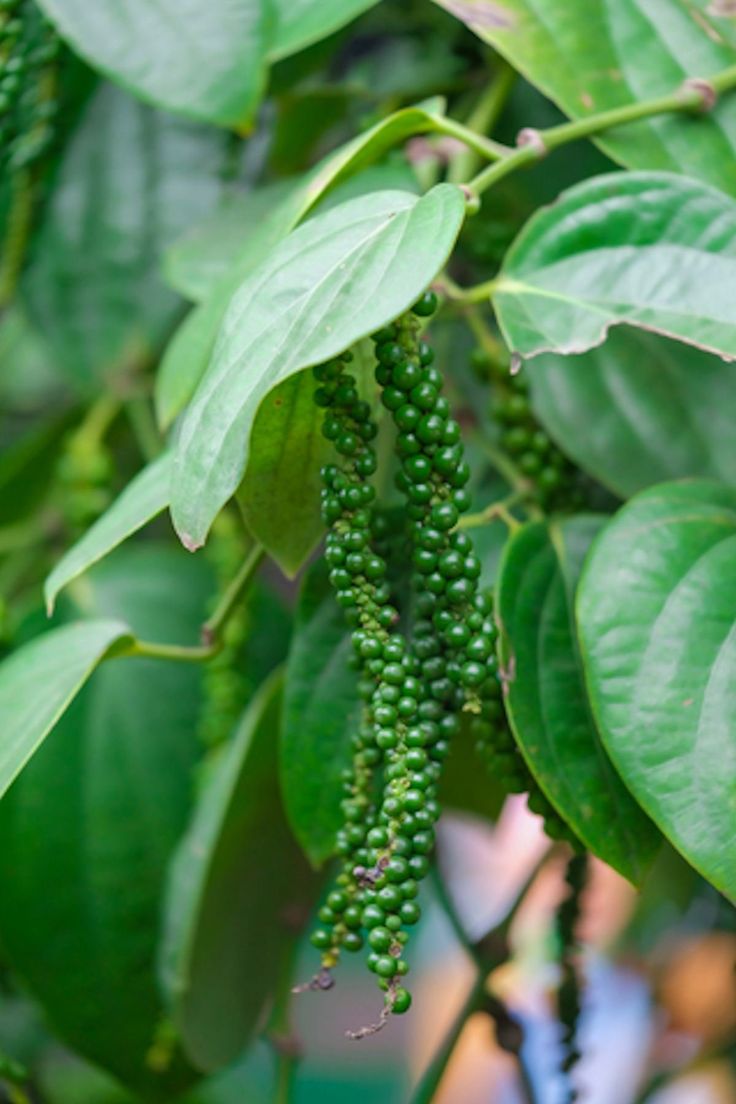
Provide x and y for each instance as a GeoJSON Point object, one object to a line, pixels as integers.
{"type": "Point", "coordinates": [692, 96]}
{"type": "Point", "coordinates": [213, 626]}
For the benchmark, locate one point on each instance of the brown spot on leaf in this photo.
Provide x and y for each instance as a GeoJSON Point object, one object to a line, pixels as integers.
{"type": "Point", "coordinates": [722, 9]}
{"type": "Point", "coordinates": [586, 100]}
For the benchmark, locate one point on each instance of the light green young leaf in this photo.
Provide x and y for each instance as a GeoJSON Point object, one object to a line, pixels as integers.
{"type": "Point", "coordinates": [333, 281]}
{"type": "Point", "coordinates": [656, 614]}
{"type": "Point", "coordinates": [639, 410]}
{"type": "Point", "coordinates": [238, 886]}
{"type": "Point", "coordinates": [144, 497]}
{"type": "Point", "coordinates": [547, 701]}
{"type": "Point", "coordinates": [246, 225]}
{"type": "Point", "coordinates": [652, 250]}
{"type": "Point", "coordinates": [593, 55]}
{"type": "Point", "coordinates": [41, 679]}
{"type": "Point", "coordinates": [204, 60]}
{"type": "Point", "coordinates": [189, 352]}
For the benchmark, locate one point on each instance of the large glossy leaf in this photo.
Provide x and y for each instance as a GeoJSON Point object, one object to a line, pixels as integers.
{"type": "Point", "coordinates": [39, 681]}
{"type": "Point", "coordinates": [547, 701]}
{"type": "Point", "coordinates": [299, 23]}
{"type": "Point", "coordinates": [96, 816]}
{"type": "Point", "coordinates": [639, 410]}
{"type": "Point", "coordinates": [205, 60]}
{"type": "Point", "coordinates": [239, 890]}
{"type": "Point", "coordinates": [321, 712]}
{"type": "Point", "coordinates": [653, 250]}
{"type": "Point", "coordinates": [130, 181]}
{"type": "Point", "coordinates": [144, 497]}
{"type": "Point", "coordinates": [330, 283]}
{"type": "Point", "coordinates": [592, 55]}
{"type": "Point", "coordinates": [657, 621]}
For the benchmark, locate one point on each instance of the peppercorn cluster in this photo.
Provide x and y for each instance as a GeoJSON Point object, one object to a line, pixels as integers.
{"type": "Point", "coordinates": [569, 990]}
{"type": "Point", "coordinates": [419, 669]}
{"type": "Point", "coordinates": [414, 683]}
{"type": "Point", "coordinates": [29, 48]}
{"type": "Point", "coordinates": [554, 482]}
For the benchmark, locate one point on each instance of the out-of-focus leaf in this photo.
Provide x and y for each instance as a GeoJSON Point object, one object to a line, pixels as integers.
{"type": "Point", "coordinates": [239, 891]}
{"type": "Point", "coordinates": [321, 712]}
{"type": "Point", "coordinates": [299, 23]}
{"type": "Point", "coordinates": [131, 179]}
{"type": "Point", "coordinates": [144, 497]}
{"type": "Point", "coordinates": [40, 680]}
{"type": "Point", "coordinates": [205, 60]}
{"type": "Point", "coordinates": [97, 814]}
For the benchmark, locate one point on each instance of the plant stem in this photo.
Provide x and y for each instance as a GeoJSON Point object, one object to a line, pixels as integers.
{"type": "Point", "coordinates": [212, 628]}
{"type": "Point", "coordinates": [430, 1081]}
{"type": "Point", "coordinates": [689, 97]}
{"type": "Point", "coordinates": [213, 625]}
{"type": "Point", "coordinates": [17, 233]}
{"type": "Point", "coordinates": [143, 424]}
{"type": "Point", "coordinates": [178, 652]}
{"type": "Point", "coordinates": [485, 147]}
{"type": "Point", "coordinates": [513, 476]}
{"type": "Point", "coordinates": [482, 120]}
{"type": "Point", "coordinates": [494, 511]}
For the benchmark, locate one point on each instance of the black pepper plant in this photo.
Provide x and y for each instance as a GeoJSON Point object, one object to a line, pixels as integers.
{"type": "Point", "coordinates": [419, 317]}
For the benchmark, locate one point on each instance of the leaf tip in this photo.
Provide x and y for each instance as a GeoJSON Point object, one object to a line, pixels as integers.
{"type": "Point", "coordinates": [192, 544]}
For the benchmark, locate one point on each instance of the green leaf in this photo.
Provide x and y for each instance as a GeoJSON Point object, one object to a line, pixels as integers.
{"type": "Point", "coordinates": [280, 492]}
{"type": "Point", "coordinates": [592, 55]}
{"type": "Point", "coordinates": [204, 60]}
{"type": "Point", "coordinates": [27, 467]}
{"type": "Point", "coordinates": [189, 353]}
{"type": "Point", "coordinates": [546, 698]}
{"type": "Point", "coordinates": [661, 410]}
{"type": "Point", "coordinates": [321, 712]}
{"type": "Point", "coordinates": [652, 250]}
{"type": "Point", "coordinates": [131, 179]}
{"type": "Point", "coordinates": [99, 810]}
{"type": "Point", "coordinates": [657, 622]}
{"type": "Point", "coordinates": [300, 23]}
{"type": "Point", "coordinates": [238, 888]}
{"type": "Point", "coordinates": [245, 225]}
{"type": "Point", "coordinates": [192, 264]}
{"type": "Point", "coordinates": [330, 283]}
{"type": "Point", "coordinates": [40, 680]}
{"type": "Point", "coordinates": [190, 350]}
{"type": "Point", "coordinates": [144, 497]}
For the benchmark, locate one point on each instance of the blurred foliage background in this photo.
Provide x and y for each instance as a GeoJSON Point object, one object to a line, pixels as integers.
{"type": "Point", "coordinates": [133, 211]}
